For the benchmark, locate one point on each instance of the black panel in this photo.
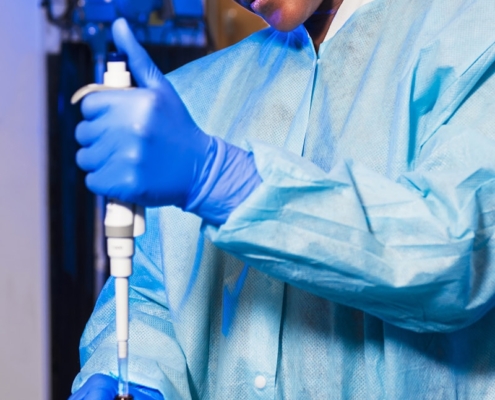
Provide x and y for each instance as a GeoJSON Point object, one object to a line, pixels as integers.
{"type": "Point", "coordinates": [71, 218]}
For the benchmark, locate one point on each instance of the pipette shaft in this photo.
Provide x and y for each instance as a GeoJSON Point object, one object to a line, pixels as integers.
{"type": "Point", "coordinates": [122, 321]}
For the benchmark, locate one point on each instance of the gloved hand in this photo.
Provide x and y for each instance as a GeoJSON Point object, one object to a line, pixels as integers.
{"type": "Point", "coordinates": [103, 387]}
{"type": "Point", "coordinates": [142, 146]}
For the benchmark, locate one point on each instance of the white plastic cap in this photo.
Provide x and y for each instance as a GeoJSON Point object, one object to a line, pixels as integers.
{"type": "Point", "coordinates": [117, 75]}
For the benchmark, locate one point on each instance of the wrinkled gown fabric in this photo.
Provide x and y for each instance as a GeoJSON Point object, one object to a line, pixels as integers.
{"type": "Point", "coordinates": [371, 257]}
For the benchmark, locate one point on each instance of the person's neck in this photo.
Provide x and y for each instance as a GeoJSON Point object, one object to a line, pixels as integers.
{"type": "Point", "coordinates": [318, 24]}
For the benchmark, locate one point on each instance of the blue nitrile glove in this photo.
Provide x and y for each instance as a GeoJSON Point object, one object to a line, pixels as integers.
{"type": "Point", "coordinates": [103, 387]}
{"type": "Point", "coordinates": [142, 146]}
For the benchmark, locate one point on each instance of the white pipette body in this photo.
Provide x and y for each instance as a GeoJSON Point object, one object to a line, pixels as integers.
{"type": "Point", "coordinates": [123, 222]}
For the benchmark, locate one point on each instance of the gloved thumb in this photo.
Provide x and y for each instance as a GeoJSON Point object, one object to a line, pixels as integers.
{"type": "Point", "coordinates": [144, 71]}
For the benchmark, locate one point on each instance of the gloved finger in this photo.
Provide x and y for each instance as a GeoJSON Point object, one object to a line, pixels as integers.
{"type": "Point", "coordinates": [89, 132]}
{"type": "Point", "coordinates": [94, 105]}
{"type": "Point", "coordinates": [97, 104]}
{"type": "Point", "coordinates": [113, 180]}
{"type": "Point", "coordinates": [144, 393]}
{"type": "Point", "coordinates": [95, 394]}
{"type": "Point", "coordinates": [100, 152]}
{"type": "Point", "coordinates": [144, 71]}
{"type": "Point", "coordinates": [93, 158]}
{"type": "Point", "coordinates": [97, 387]}
{"type": "Point", "coordinates": [79, 395]}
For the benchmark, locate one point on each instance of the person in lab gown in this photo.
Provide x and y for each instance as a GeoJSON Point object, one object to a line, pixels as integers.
{"type": "Point", "coordinates": [322, 208]}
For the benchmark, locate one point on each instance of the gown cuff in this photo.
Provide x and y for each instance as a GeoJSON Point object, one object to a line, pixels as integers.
{"type": "Point", "coordinates": [228, 178]}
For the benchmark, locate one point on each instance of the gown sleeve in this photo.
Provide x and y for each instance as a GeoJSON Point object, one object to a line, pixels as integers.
{"type": "Point", "coordinates": [417, 252]}
{"type": "Point", "coordinates": [157, 360]}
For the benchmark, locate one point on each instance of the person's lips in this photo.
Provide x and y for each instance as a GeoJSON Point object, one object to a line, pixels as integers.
{"type": "Point", "coordinates": [257, 5]}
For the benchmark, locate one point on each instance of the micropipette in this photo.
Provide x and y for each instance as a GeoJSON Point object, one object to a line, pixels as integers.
{"type": "Point", "coordinates": [123, 222]}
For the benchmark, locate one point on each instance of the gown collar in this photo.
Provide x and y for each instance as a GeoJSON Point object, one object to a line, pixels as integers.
{"type": "Point", "coordinates": [346, 10]}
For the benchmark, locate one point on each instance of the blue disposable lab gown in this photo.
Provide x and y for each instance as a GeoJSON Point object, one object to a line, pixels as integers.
{"type": "Point", "coordinates": [371, 258]}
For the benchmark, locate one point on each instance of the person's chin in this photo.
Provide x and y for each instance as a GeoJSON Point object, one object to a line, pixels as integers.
{"type": "Point", "coordinates": [283, 27]}
{"type": "Point", "coordinates": [272, 13]}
